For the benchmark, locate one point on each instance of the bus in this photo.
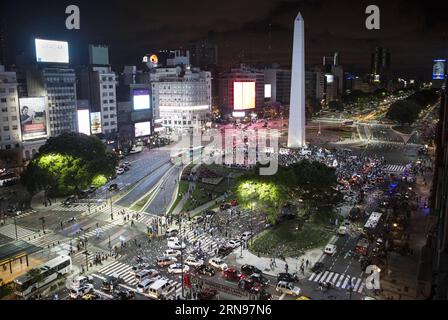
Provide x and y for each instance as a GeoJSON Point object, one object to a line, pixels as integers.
{"type": "Point", "coordinates": [24, 286]}
{"type": "Point", "coordinates": [373, 222]}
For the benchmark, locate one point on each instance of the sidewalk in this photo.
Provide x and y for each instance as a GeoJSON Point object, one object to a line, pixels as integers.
{"type": "Point", "coordinates": [263, 263]}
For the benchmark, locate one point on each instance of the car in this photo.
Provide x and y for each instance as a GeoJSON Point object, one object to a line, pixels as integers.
{"type": "Point", "coordinates": [232, 274]}
{"type": "Point", "coordinates": [205, 270]}
{"type": "Point", "coordinates": [143, 274]}
{"type": "Point", "coordinates": [318, 267]}
{"type": "Point", "coordinates": [126, 168]}
{"type": "Point", "coordinates": [286, 277]}
{"type": "Point", "coordinates": [139, 267]}
{"type": "Point", "coordinates": [342, 231]}
{"type": "Point", "coordinates": [166, 261]}
{"type": "Point", "coordinates": [225, 206]}
{"type": "Point", "coordinates": [224, 250]}
{"type": "Point", "coordinates": [249, 285]}
{"type": "Point", "coordinates": [80, 281]}
{"type": "Point", "coordinates": [123, 295]}
{"type": "Point", "coordinates": [234, 243]}
{"type": "Point", "coordinates": [192, 261]}
{"type": "Point", "coordinates": [303, 298]}
{"type": "Point", "coordinates": [113, 187]}
{"type": "Point", "coordinates": [248, 269]}
{"type": "Point", "coordinates": [330, 249]}
{"type": "Point", "coordinates": [217, 263]}
{"type": "Point", "coordinates": [178, 268]}
{"type": "Point", "coordinates": [127, 163]}
{"type": "Point", "coordinates": [76, 293]}
{"type": "Point", "coordinates": [207, 294]}
{"type": "Point", "coordinates": [259, 278]}
{"type": "Point", "coordinates": [264, 295]}
{"type": "Point", "coordinates": [172, 253]}
{"type": "Point", "coordinates": [120, 171]}
{"type": "Point", "coordinates": [174, 243]}
{"type": "Point", "coordinates": [246, 235]}
{"type": "Point", "coordinates": [287, 288]}
{"type": "Point", "coordinates": [69, 200]}
{"type": "Point", "coordinates": [197, 219]}
{"type": "Point", "coordinates": [90, 296]}
{"type": "Point", "coordinates": [111, 282]}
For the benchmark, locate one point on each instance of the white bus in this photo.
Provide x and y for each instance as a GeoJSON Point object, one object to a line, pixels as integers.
{"type": "Point", "coordinates": [51, 270]}
{"type": "Point", "coordinates": [373, 221]}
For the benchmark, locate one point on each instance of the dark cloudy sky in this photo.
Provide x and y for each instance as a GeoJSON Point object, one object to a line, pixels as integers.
{"type": "Point", "coordinates": [256, 31]}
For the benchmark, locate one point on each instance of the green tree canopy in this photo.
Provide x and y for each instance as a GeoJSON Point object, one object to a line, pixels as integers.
{"type": "Point", "coordinates": [68, 163]}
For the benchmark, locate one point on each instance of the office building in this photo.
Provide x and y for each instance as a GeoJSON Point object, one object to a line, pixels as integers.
{"type": "Point", "coordinates": [380, 65]}
{"type": "Point", "coordinates": [10, 134]}
{"type": "Point", "coordinates": [203, 54]}
{"type": "Point", "coordinates": [277, 83]}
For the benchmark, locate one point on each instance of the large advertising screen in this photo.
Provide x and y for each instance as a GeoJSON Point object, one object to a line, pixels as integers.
{"type": "Point", "coordinates": [142, 129]}
{"type": "Point", "coordinates": [33, 118]}
{"type": "Point", "coordinates": [95, 122]}
{"type": "Point", "coordinates": [84, 121]}
{"type": "Point", "coordinates": [51, 51]}
{"type": "Point", "coordinates": [243, 95]}
{"type": "Point", "coordinates": [438, 70]}
{"type": "Point", "coordinates": [141, 99]}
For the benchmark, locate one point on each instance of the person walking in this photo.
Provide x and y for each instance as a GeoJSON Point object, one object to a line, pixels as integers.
{"type": "Point", "coordinates": [286, 267]}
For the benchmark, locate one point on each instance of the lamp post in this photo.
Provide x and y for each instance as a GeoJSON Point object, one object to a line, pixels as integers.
{"type": "Point", "coordinates": [181, 252]}
{"type": "Point", "coordinates": [111, 210]}
{"type": "Point", "coordinates": [15, 227]}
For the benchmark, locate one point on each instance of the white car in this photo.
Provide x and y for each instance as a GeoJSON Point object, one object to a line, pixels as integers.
{"type": "Point", "coordinates": [287, 288]}
{"type": "Point", "coordinates": [192, 261]}
{"type": "Point", "coordinates": [218, 263]}
{"type": "Point", "coordinates": [177, 268]}
{"type": "Point", "coordinates": [172, 253]}
{"type": "Point", "coordinates": [172, 232]}
{"type": "Point", "coordinates": [139, 267]}
{"type": "Point", "coordinates": [120, 171]}
{"type": "Point", "coordinates": [80, 281]}
{"type": "Point", "coordinates": [330, 249]}
{"type": "Point", "coordinates": [342, 231]}
{"type": "Point", "coordinates": [246, 235]}
{"type": "Point", "coordinates": [174, 243]}
{"type": "Point", "coordinates": [76, 293]}
{"type": "Point", "coordinates": [234, 243]}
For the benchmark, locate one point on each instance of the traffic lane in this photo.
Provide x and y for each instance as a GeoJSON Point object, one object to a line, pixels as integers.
{"type": "Point", "coordinates": [164, 193]}
{"type": "Point", "coordinates": [144, 186]}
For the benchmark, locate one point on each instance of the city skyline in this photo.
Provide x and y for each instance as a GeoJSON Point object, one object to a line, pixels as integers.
{"type": "Point", "coordinates": [262, 35]}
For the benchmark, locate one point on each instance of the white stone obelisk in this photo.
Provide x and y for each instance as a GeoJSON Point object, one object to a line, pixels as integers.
{"type": "Point", "coordinates": [296, 130]}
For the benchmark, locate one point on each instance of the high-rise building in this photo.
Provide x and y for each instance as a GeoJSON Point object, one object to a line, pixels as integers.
{"type": "Point", "coordinates": [203, 54]}
{"type": "Point", "coordinates": [380, 65]}
{"type": "Point", "coordinates": [277, 83]}
{"type": "Point", "coordinates": [248, 82]}
{"type": "Point", "coordinates": [314, 85]}
{"type": "Point", "coordinates": [10, 134]}
{"type": "Point", "coordinates": [181, 97]}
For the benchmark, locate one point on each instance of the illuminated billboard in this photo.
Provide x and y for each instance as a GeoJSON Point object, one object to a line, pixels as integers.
{"type": "Point", "coordinates": [84, 121]}
{"type": "Point", "coordinates": [95, 122]}
{"type": "Point", "coordinates": [142, 129]}
{"type": "Point", "coordinates": [33, 118]}
{"type": "Point", "coordinates": [267, 91]}
{"type": "Point", "coordinates": [141, 99]}
{"type": "Point", "coordinates": [51, 51]}
{"type": "Point", "coordinates": [438, 70]}
{"type": "Point", "coordinates": [243, 95]}
{"type": "Point", "coordinates": [329, 78]}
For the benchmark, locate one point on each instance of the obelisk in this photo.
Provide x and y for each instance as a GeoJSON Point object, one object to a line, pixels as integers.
{"type": "Point", "coordinates": [296, 130]}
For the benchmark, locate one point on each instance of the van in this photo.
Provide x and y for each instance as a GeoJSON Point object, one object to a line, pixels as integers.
{"type": "Point", "coordinates": [142, 274]}
{"type": "Point", "coordinates": [158, 288]}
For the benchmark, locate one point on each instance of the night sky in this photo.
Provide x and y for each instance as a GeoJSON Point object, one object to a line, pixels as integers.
{"type": "Point", "coordinates": [253, 31]}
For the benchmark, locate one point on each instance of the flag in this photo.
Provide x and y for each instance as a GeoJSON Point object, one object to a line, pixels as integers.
{"type": "Point", "coordinates": [186, 280]}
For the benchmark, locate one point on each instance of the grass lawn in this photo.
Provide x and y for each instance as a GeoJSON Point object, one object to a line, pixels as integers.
{"type": "Point", "coordinates": [140, 204]}
{"type": "Point", "coordinates": [285, 240]}
{"type": "Point", "coordinates": [183, 187]}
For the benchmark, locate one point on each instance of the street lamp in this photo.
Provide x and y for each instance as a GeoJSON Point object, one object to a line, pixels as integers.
{"type": "Point", "coordinates": [111, 210]}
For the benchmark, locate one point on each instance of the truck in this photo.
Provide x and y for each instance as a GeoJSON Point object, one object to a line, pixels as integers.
{"type": "Point", "coordinates": [362, 247]}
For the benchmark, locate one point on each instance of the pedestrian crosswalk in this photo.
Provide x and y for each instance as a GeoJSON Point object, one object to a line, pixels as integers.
{"type": "Point", "coordinates": [9, 230]}
{"type": "Point", "coordinates": [341, 281]}
{"type": "Point", "coordinates": [204, 241]}
{"type": "Point", "coordinates": [120, 269]}
{"type": "Point", "coordinates": [395, 168]}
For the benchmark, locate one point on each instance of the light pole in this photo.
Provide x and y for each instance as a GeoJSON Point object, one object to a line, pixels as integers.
{"type": "Point", "coordinates": [111, 210]}
{"type": "Point", "coordinates": [15, 227]}
{"type": "Point", "coordinates": [181, 253]}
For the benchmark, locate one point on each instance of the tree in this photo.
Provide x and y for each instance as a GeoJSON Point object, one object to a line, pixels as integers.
{"type": "Point", "coordinates": [67, 164]}
{"type": "Point", "coordinates": [36, 277]}
{"type": "Point", "coordinates": [404, 111]}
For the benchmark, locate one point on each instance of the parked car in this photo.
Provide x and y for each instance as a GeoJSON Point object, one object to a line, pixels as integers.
{"type": "Point", "coordinates": [120, 171]}
{"type": "Point", "coordinates": [205, 270]}
{"type": "Point", "coordinates": [217, 263]}
{"type": "Point", "coordinates": [232, 274]}
{"type": "Point", "coordinates": [207, 294]}
{"type": "Point", "coordinates": [166, 261]}
{"type": "Point", "coordinates": [287, 288]}
{"type": "Point", "coordinates": [178, 268]}
{"type": "Point", "coordinates": [248, 269]}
